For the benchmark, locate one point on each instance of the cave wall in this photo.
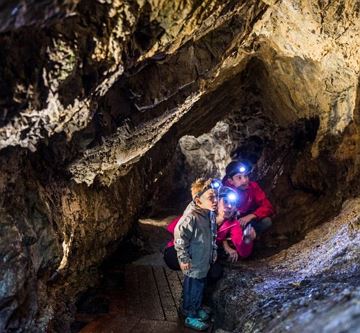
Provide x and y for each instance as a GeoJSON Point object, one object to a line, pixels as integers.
{"type": "Point", "coordinates": [96, 95]}
{"type": "Point", "coordinates": [304, 189]}
{"type": "Point", "coordinates": [312, 285]}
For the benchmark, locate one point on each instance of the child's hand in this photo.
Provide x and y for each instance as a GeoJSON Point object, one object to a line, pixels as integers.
{"type": "Point", "coordinates": [215, 257]}
{"type": "Point", "coordinates": [185, 266]}
{"type": "Point", "coordinates": [252, 233]}
{"type": "Point", "coordinates": [233, 255]}
{"type": "Point", "coordinates": [246, 219]}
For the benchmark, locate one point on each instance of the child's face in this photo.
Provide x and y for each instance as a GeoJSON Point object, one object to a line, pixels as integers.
{"type": "Point", "coordinates": [208, 200]}
{"type": "Point", "coordinates": [240, 181]}
{"type": "Point", "coordinates": [226, 209]}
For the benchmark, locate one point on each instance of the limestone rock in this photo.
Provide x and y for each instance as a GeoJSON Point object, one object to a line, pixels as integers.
{"type": "Point", "coordinates": [209, 153]}
{"type": "Point", "coordinates": [95, 96]}
{"type": "Point", "coordinates": [313, 285]}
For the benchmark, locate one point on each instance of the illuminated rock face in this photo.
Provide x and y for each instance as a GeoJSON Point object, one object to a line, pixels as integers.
{"type": "Point", "coordinates": [312, 286]}
{"type": "Point", "coordinates": [94, 98]}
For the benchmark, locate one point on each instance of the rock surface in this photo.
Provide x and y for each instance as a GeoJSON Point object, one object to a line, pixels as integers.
{"type": "Point", "coordinates": [313, 286]}
{"type": "Point", "coordinates": [95, 96]}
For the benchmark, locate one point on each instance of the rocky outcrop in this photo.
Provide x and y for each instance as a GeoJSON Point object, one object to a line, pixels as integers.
{"type": "Point", "coordinates": [312, 286]}
{"type": "Point", "coordinates": [18, 14]}
{"type": "Point", "coordinates": [94, 98]}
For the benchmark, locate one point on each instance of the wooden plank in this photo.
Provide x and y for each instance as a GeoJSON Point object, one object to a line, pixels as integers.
{"type": "Point", "coordinates": [132, 296]}
{"type": "Point", "coordinates": [150, 298]}
{"type": "Point", "coordinates": [144, 326]}
{"type": "Point", "coordinates": [117, 304]}
{"type": "Point", "coordinates": [118, 324]}
{"type": "Point", "coordinates": [153, 326]}
{"type": "Point", "coordinates": [149, 292]}
{"type": "Point", "coordinates": [174, 285]}
{"type": "Point", "coordinates": [111, 324]}
{"type": "Point", "coordinates": [180, 276]}
{"type": "Point", "coordinates": [166, 298]}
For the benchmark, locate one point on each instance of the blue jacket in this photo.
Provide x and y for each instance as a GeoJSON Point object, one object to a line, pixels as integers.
{"type": "Point", "coordinates": [194, 241]}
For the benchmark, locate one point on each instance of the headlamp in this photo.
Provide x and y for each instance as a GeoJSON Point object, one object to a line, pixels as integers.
{"type": "Point", "coordinates": [235, 167]}
{"type": "Point", "coordinates": [242, 169]}
{"type": "Point", "coordinates": [215, 185]}
{"type": "Point", "coordinates": [232, 197]}
{"type": "Point", "coordinates": [229, 195]}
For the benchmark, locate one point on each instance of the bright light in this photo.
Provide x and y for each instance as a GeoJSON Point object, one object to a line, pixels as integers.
{"type": "Point", "coordinates": [215, 184]}
{"type": "Point", "coordinates": [242, 169]}
{"type": "Point", "coordinates": [232, 197]}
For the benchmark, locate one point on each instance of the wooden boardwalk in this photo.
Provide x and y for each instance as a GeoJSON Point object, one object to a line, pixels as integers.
{"type": "Point", "coordinates": [145, 302]}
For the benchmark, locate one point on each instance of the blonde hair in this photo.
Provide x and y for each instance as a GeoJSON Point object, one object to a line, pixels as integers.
{"type": "Point", "coordinates": [199, 185]}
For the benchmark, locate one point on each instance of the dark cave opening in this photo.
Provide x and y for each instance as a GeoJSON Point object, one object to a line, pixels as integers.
{"type": "Point", "coordinates": [254, 130]}
{"type": "Point", "coordinates": [279, 151]}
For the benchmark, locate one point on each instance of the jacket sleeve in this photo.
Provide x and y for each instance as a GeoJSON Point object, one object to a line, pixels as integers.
{"type": "Point", "coordinates": [236, 235]}
{"type": "Point", "coordinates": [182, 235]}
{"type": "Point", "coordinates": [265, 208]}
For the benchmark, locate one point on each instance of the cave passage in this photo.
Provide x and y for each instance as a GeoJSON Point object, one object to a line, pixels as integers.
{"type": "Point", "coordinates": [109, 110]}
{"type": "Point", "coordinates": [246, 118]}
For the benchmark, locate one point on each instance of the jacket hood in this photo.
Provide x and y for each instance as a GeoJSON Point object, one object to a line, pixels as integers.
{"type": "Point", "coordinates": [192, 207]}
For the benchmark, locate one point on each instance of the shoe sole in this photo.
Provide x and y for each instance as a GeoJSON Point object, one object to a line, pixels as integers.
{"type": "Point", "coordinates": [196, 329]}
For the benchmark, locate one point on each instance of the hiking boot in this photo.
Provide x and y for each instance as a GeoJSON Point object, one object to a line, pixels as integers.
{"type": "Point", "coordinates": [203, 315]}
{"type": "Point", "coordinates": [196, 324]}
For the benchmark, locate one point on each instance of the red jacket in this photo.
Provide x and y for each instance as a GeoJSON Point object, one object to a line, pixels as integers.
{"type": "Point", "coordinates": [233, 230]}
{"type": "Point", "coordinates": [171, 229]}
{"type": "Point", "coordinates": [253, 201]}
{"type": "Point", "coordinates": [228, 229]}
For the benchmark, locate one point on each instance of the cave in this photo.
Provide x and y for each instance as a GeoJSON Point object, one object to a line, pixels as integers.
{"type": "Point", "coordinates": [109, 110]}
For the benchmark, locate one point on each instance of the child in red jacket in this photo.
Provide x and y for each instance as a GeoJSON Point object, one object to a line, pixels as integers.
{"type": "Point", "coordinates": [253, 207]}
{"type": "Point", "coordinates": [229, 232]}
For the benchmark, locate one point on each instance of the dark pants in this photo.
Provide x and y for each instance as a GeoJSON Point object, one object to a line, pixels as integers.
{"type": "Point", "coordinates": [193, 290]}
{"type": "Point", "coordinates": [261, 225]}
{"type": "Point", "coordinates": [171, 260]}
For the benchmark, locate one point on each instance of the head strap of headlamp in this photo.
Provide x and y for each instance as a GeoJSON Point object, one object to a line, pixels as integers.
{"type": "Point", "coordinates": [210, 186]}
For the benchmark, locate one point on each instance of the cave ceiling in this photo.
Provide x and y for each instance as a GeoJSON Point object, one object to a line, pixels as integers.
{"type": "Point", "coordinates": [167, 61]}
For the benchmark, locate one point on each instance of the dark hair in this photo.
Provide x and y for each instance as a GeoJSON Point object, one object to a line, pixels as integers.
{"type": "Point", "coordinates": [225, 190]}
{"type": "Point", "coordinates": [234, 167]}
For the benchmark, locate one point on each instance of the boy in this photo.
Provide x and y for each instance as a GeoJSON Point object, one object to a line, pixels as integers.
{"type": "Point", "coordinates": [194, 241]}
{"type": "Point", "coordinates": [253, 208]}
